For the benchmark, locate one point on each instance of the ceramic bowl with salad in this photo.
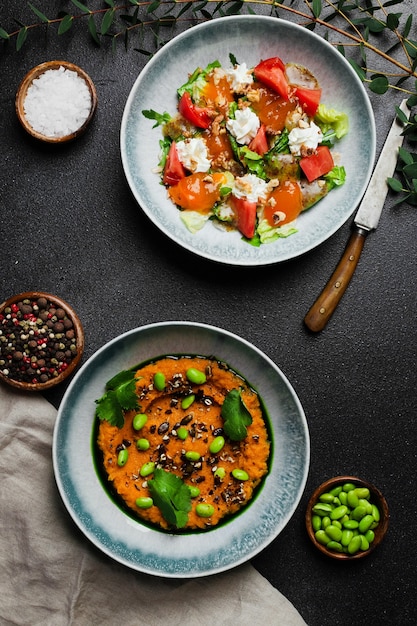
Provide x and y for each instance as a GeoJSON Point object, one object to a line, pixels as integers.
{"type": "Point", "coordinates": [257, 153]}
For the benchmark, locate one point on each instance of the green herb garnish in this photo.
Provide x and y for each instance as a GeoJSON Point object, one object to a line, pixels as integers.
{"type": "Point", "coordinates": [235, 415]}
{"type": "Point", "coordinates": [172, 496]}
{"type": "Point", "coordinates": [160, 118]}
{"type": "Point", "coordinates": [120, 396]}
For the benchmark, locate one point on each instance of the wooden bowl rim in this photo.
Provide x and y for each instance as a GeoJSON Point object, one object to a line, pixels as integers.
{"type": "Point", "coordinates": [27, 80]}
{"type": "Point", "coordinates": [79, 335]}
{"type": "Point", "coordinates": [378, 498]}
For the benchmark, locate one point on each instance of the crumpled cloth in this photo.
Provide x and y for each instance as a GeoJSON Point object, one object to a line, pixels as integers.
{"type": "Point", "coordinates": [51, 575]}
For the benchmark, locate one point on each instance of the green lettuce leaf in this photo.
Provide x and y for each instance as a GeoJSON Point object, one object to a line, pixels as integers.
{"type": "Point", "coordinates": [330, 119]}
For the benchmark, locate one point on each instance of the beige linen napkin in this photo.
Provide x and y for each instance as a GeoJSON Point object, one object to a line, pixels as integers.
{"type": "Point", "coordinates": [50, 574]}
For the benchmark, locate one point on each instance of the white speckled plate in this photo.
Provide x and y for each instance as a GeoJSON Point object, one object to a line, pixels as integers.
{"type": "Point", "coordinates": [127, 540]}
{"type": "Point", "coordinates": [249, 39]}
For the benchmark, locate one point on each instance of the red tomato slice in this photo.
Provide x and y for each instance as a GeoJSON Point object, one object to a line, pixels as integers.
{"type": "Point", "coordinates": [259, 143]}
{"type": "Point", "coordinates": [245, 212]}
{"type": "Point", "coordinates": [317, 164]}
{"type": "Point", "coordinates": [197, 116]}
{"type": "Point", "coordinates": [271, 73]}
{"type": "Point", "coordinates": [174, 170]}
{"type": "Point", "coordinates": [309, 99]}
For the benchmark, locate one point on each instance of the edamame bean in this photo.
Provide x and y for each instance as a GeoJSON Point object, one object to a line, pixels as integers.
{"type": "Point", "coordinates": [335, 545]}
{"type": "Point", "coordinates": [196, 376]}
{"type": "Point", "coordinates": [336, 490]}
{"type": "Point", "coordinates": [204, 510]}
{"type": "Point", "coordinates": [240, 474]}
{"type": "Point", "coordinates": [182, 433]}
{"type": "Point", "coordinates": [338, 512]}
{"type": "Point", "coordinates": [187, 401]}
{"type": "Point", "coordinates": [144, 502]}
{"type": "Point", "coordinates": [220, 473]}
{"type": "Point", "coordinates": [139, 421]}
{"type": "Point", "coordinates": [364, 543]}
{"type": "Point", "coordinates": [322, 537]}
{"type": "Point", "coordinates": [375, 513]}
{"type": "Point", "coordinates": [347, 536]}
{"type": "Point", "coordinates": [343, 497]}
{"type": "Point", "coordinates": [363, 492]}
{"type": "Point", "coordinates": [334, 532]}
{"type": "Point", "coordinates": [354, 545]}
{"type": "Point", "coordinates": [194, 491]}
{"type": "Point", "coordinates": [122, 457]}
{"type": "Point", "coordinates": [365, 523]}
{"type": "Point", "coordinates": [326, 497]}
{"type": "Point", "coordinates": [321, 508]}
{"type": "Point", "coordinates": [348, 487]}
{"type": "Point", "coordinates": [325, 522]}
{"type": "Point", "coordinates": [370, 535]}
{"type": "Point", "coordinates": [159, 381]}
{"type": "Point", "coordinates": [217, 444]}
{"type": "Point", "coordinates": [351, 524]}
{"type": "Point", "coordinates": [316, 522]}
{"type": "Point", "coordinates": [147, 469]}
{"type": "Point", "coordinates": [143, 444]}
{"type": "Point", "coordinates": [192, 455]}
{"type": "Point", "coordinates": [358, 513]}
{"type": "Point", "coordinates": [352, 499]}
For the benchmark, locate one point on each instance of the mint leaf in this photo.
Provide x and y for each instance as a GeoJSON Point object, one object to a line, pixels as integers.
{"type": "Point", "coordinates": [172, 496]}
{"type": "Point", "coordinates": [235, 415]}
{"type": "Point", "coordinates": [120, 396]}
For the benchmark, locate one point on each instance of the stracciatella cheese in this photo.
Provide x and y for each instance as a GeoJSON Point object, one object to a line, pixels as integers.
{"type": "Point", "coordinates": [57, 103]}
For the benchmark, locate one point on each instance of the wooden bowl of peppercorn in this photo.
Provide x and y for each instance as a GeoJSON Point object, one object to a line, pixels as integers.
{"type": "Point", "coordinates": [41, 341]}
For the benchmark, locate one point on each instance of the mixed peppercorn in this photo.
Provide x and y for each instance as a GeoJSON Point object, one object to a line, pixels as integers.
{"type": "Point", "coordinates": [38, 341]}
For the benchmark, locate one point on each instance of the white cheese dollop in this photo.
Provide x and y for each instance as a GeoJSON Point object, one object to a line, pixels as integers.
{"type": "Point", "coordinates": [245, 125]}
{"type": "Point", "coordinates": [309, 137]}
{"type": "Point", "coordinates": [193, 155]}
{"type": "Point", "coordinates": [250, 187]}
{"type": "Point", "coordinates": [239, 77]}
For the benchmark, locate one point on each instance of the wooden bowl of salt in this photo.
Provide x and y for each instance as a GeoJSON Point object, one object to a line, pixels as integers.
{"type": "Point", "coordinates": [56, 101]}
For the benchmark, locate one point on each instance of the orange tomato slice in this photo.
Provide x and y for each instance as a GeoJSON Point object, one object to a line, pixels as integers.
{"type": "Point", "coordinates": [283, 204]}
{"type": "Point", "coordinates": [198, 192]}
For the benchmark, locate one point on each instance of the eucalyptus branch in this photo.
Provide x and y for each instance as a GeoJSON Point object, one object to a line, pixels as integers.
{"type": "Point", "coordinates": [353, 25]}
{"type": "Point", "coordinates": [356, 24]}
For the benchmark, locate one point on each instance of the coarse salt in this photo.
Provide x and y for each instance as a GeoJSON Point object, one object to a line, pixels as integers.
{"type": "Point", "coordinates": [57, 103]}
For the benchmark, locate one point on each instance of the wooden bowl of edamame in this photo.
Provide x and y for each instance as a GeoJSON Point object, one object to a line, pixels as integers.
{"type": "Point", "coordinates": [347, 517]}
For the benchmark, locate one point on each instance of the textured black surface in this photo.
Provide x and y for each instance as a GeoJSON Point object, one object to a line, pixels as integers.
{"type": "Point", "coordinates": [69, 226]}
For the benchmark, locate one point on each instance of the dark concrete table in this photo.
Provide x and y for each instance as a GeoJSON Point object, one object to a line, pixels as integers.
{"type": "Point", "coordinates": [70, 226]}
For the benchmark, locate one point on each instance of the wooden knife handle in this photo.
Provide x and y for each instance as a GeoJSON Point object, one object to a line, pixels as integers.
{"type": "Point", "coordinates": [325, 305]}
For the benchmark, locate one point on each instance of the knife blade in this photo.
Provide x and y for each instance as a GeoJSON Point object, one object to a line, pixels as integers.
{"type": "Point", "coordinates": [366, 220]}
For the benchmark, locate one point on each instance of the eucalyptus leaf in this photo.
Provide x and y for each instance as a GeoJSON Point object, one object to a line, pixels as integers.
{"type": "Point", "coordinates": [38, 13]}
{"type": "Point", "coordinates": [65, 24]}
{"type": "Point", "coordinates": [4, 34]}
{"type": "Point", "coordinates": [108, 18]}
{"type": "Point", "coordinates": [81, 6]}
{"type": "Point", "coordinates": [21, 38]}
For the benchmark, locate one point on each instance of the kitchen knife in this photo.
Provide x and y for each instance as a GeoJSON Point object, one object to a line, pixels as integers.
{"type": "Point", "coordinates": [366, 219]}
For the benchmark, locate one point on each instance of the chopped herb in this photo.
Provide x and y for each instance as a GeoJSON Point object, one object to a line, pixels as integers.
{"type": "Point", "coordinates": [120, 396]}
{"type": "Point", "coordinates": [160, 118]}
{"type": "Point", "coordinates": [235, 415]}
{"type": "Point", "coordinates": [172, 496]}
